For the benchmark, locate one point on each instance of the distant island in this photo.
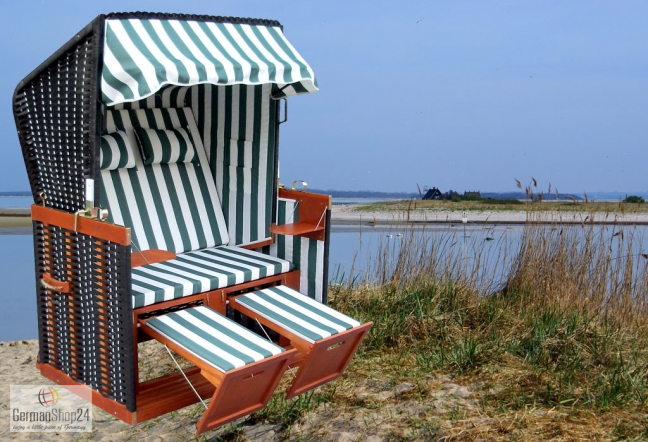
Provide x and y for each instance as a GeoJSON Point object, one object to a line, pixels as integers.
{"type": "Point", "coordinates": [16, 193]}
{"type": "Point", "coordinates": [614, 196]}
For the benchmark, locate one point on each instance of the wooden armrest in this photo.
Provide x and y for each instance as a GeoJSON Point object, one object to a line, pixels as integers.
{"type": "Point", "coordinates": [151, 256]}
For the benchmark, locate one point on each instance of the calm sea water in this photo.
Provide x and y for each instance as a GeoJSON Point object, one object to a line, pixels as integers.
{"type": "Point", "coordinates": [352, 251]}
{"type": "Point", "coordinates": [15, 202]}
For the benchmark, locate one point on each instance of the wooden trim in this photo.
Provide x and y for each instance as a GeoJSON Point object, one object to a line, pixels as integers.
{"type": "Point", "coordinates": [238, 392]}
{"type": "Point", "coordinates": [320, 363]}
{"type": "Point", "coordinates": [171, 392]}
{"type": "Point", "coordinates": [215, 296]}
{"type": "Point", "coordinates": [151, 256]}
{"type": "Point", "coordinates": [327, 360]}
{"type": "Point", "coordinates": [312, 215]}
{"type": "Point", "coordinates": [258, 244]}
{"type": "Point", "coordinates": [87, 226]}
{"type": "Point", "coordinates": [110, 406]}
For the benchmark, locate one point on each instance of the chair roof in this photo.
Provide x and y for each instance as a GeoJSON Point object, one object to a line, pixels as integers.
{"type": "Point", "coordinates": [141, 55]}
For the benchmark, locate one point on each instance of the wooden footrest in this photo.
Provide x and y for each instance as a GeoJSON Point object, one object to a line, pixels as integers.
{"type": "Point", "coordinates": [326, 338]}
{"type": "Point", "coordinates": [244, 367]}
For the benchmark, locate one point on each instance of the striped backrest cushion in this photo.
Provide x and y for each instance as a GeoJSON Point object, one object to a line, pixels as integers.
{"type": "Point", "coordinates": [116, 151]}
{"type": "Point", "coordinates": [165, 146]}
{"type": "Point", "coordinates": [171, 206]}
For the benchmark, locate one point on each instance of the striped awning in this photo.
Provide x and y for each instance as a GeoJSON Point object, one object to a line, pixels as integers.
{"type": "Point", "coordinates": [141, 56]}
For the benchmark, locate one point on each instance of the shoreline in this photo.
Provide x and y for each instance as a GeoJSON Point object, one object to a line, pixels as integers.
{"type": "Point", "coordinates": [348, 215]}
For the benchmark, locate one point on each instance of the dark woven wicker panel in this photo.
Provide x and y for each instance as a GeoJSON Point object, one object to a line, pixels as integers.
{"type": "Point", "coordinates": [87, 334]}
{"type": "Point", "coordinates": [193, 17]}
{"type": "Point", "coordinates": [56, 110]}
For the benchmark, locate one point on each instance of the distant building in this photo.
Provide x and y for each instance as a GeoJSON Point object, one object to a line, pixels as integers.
{"type": "Point", "coordinates": [433, 194]}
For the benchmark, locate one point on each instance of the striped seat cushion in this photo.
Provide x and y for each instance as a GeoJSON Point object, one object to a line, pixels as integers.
{"type": "Point", "coordinates": [200, 271]}
{"type": "Point", "coordinates": [212, 337]}
{"type": "Point", "coordinates": [172, 206]}
{"type": "Point", "coordinates": [297, 313]}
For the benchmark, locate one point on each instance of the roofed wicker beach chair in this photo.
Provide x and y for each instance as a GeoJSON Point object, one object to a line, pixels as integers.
{"type": "Point", "coordinates": [151, 144]}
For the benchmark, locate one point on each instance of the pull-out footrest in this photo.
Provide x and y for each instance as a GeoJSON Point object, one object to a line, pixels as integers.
{"type": "Point", "coordinates": [326, 338]}
{"type": "Point", "coordinates": [244, 367]}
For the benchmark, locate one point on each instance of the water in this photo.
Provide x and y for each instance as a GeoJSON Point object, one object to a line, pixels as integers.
{"type": "Point", "coordinates": [16, 202]}
{"type": "Point", "coordinates": [352, 250]}
{"type": "Point", "coordinates": [18, 311]}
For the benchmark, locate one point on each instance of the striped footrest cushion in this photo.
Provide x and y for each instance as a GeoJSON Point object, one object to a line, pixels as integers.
{"type": "Point", "coordinates": [297, 313]}
{"type": "Point", "coordinates": [200, 271]}
{"type": "Point", "coordinates": [212, 337]}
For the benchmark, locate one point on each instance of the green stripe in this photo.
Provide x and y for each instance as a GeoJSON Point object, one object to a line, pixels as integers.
{"type": "Point", "coordinates": [275, 317]}
{"type": "Point", "coordinates": [235, 331]}
{"type": "Point", "coordinates": [207, 336]}
{"type": "Point", "coordinates": [254, 66]}
{"type": "Point", "coordinates": [319, 309]}
{"type": "Point", "coordinates": [190, 345]}
{"type": "Point", "coordinates": [231, 277]}
{"type": "Point", "coordinates": [285, 309]}
{"type": "Point", "coordinates": [312, 267]}
{"type": "Point", "coordinates": [303, 70]}
{"type": "Point", "coordinates": [256, 153]}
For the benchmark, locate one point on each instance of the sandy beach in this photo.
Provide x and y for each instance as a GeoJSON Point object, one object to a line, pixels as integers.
{"type": "Point", "coordinates": [349, 214]}
{"type": "Point", "coordinates": [393, 409]}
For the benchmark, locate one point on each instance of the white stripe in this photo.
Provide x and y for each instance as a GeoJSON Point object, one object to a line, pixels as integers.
{"type": "Point", "coordinates": [310, 314]}
{"type": "Point", "coordinates": [239, 276]}
{"type": "Point", "coordinates": [279, 68]}
{"type": "Point", "coordinates": [295, 71]}
{"type": "Point", "coordinates": [252, 337]}
{"type": "Point", "coordinates": [186, 284]}
{"type": "Point", "coordinates": [149, 295]}
{"type": "Point", "coordinates": [246, 67]}
{"type": "Point", "coordinates": [220, 336]}
{"type": "Point", "coordinates": [114, 67]}
{"type": "Point", "coordinates": [210, 68]}
{"type": "Point", "coordinates": [113, 94]}
{"type": "Point", "coordinates": [185, 210]}
{"type": "Point", "coordinates": [146, 68]}
{"type": "Point", "coordinates": [288, 316]}
{"type": "Point", "coordinates": [168, 290]}
{"type": "Point", "coordinates": [205, 283]}
{"type": "Point", "coordinates": [113, 202]}
{"type": "Point", "coordinates": [223, 261]}
{"type": "Point", "coordinates": [303, 265]}
{"type": "Point", "coordinates": [316, 305]}
{"type": "Point", "coordinates": [170, 67]}
{"type": "Point", "coordinates": [263, 162]}
{"type": "Point", "coordinates": [221, 277]}
{"type": "Point", "coordinates": [285, 265]}
{"type": "Point", "coordinates": [220, 143]}
{"type": "Point", "coordinates": [263, 75]}
{"type": "Point", "coordinates": [319, 276]}
{"type": "Point", "coordinates": [236, 362]}
{"type": "Point", "coordinates": [189, 65]}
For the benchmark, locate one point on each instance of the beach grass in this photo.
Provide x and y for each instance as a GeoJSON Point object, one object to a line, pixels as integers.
{"type": "Point", "coordinates": [588, 207]}
{"type": "Point", "coordinates": [555, 349]}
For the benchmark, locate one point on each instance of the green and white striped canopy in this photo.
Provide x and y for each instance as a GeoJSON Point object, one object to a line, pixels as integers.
{"type": "Point", "coordinates": [141, 56]}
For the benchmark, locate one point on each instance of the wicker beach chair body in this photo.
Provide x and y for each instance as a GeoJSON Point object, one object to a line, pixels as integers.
{"type": "Point", "coordinates": [171, 122]}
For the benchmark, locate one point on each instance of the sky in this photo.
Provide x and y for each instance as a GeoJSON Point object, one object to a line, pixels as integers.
{"type": "Point", "coordinates": [462, 95]}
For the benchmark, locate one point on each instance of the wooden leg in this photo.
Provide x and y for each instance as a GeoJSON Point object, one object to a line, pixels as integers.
{"type": "Point", "coordinates": [242, 391]}
{"type": "Point", "coordinates": [327, 360]}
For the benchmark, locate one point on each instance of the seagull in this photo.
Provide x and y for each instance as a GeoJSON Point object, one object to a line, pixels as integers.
{"type": "Point", "coordinates": [418, 21]}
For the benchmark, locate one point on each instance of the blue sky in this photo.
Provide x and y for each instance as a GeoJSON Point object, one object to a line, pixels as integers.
{"type": "Point", "coordinates": [463, 95]}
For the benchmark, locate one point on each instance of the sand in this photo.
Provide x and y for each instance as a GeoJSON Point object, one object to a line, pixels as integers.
{"type": "Point", "coordinates": [349, 214]}
{"type": "Point", "coordinates": [390, 410]}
